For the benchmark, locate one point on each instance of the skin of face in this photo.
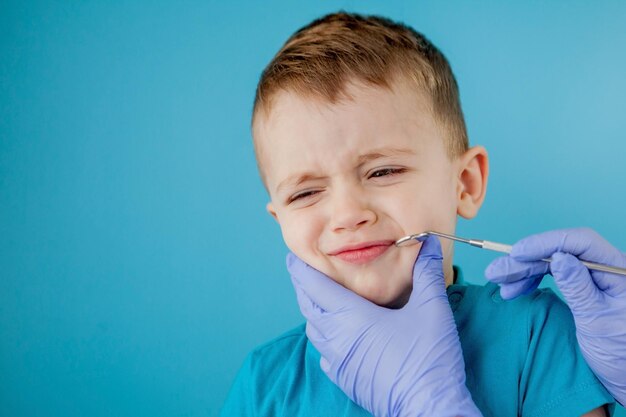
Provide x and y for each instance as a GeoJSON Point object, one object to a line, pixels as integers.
{"type": "Point", "coordinates": [372, 167]}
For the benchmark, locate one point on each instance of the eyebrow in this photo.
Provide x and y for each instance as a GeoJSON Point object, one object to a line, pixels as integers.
{"type": "Point", "coordinates": [296, 180]}
{"type": "Point", "coordinates": [374, 154]}
{"type": "Point", "coordinates": [384, 153]}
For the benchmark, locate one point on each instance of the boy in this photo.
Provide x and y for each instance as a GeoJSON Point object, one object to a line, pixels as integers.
{"type": "Point", "coordinates": [360, 140]}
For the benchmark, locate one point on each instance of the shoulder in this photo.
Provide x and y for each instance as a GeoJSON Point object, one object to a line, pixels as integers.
{"type": "Point", "coordinates": [266, 375]}
{"type": "Point", "coordinates": [279, 358]}
{"type": "Point", "coordinates": [544, 302]}
{"type": "Point", "coordinates": [487, 322]}
{"type": "Point", "coordinates": [287, 339]}
{"type": "Point", "coordinates": [286, 349]}
{"type": "Point", "coordinates": [283, 378]}
{"type": "Point", "coordinates": [541, 309]}
{"type": "Point", "coordinates": [525, 351]}
{"type": "Point", "coordinates": [478, 298]}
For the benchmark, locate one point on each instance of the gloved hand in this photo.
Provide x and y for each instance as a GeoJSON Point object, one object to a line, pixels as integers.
{"type": "Point", "coordinates": [405, 362]}
{"type": "Point", "coordinates": [597, 299]}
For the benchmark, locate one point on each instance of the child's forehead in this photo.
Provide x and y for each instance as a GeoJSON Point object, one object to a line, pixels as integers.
{"type": "Point", "coordinates": [365, 103]}
{"type": "Point", "coordinates": [299, 125]}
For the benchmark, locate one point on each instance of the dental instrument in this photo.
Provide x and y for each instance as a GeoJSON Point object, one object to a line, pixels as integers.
{"type": "Point", "coordinates": [497, 247]}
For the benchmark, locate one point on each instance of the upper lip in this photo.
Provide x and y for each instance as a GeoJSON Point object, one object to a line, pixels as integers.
{"type": "Point", "coordinates": [357, 246]}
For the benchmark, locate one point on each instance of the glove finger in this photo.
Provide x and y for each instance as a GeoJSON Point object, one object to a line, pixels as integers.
{"type": "Point", "coordinates": [315, 335]}
{"type": "Point", "coordinates": [325, 365]}
{"type": "Point", "coordinates": [326, 350]}
{"type": "Point", "coordinates": [321, 290]}
{"type": "Point", "coordinates": [515, 289]}
{"type": "Point", "coordinates": [328, 370]}
{"type": "Point", "coordinates": [308, 308]}
{"type": "Point", "coordinates": [505, 270]}
{"type": "Point", "coordinates": [583, 243]}
{"type": "Point", "coordinates": [575, 283]}
{"type": "Point", "coordinates": [428, 278]}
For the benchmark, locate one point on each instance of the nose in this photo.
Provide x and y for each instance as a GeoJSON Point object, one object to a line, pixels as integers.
{"type": "Point", "coordinates": [350, 211]}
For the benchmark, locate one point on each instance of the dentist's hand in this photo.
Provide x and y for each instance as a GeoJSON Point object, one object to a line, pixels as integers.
{"type": "Point", "coordinates": [405, 362]}
{"type": "Point", "coordinates": [597, 299]}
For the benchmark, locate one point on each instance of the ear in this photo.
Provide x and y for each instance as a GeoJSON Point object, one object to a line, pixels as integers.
{"type": "Point", "coordinates": [472, 181]}
{"type": "Point", "coordinates": [272, 211]}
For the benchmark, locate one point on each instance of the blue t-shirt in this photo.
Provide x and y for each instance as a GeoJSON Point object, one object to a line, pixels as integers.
{"type": "Point", "coordinates": [521, 359]}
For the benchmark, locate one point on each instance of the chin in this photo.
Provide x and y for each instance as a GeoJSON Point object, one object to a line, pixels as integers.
{"type": "Point", "coordinates": [385, 296]}
{"type": "Point", "coordinates": [377, 285]}
{"type": "Point", "coordinates": [395, 302]}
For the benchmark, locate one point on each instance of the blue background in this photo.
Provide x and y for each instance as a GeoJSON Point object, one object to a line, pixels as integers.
{"type": "Point", "coordinates": [137, 263]}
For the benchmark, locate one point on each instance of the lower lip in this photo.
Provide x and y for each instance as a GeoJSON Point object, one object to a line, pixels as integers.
{"type": "Point", "coordinates": [364, 255]}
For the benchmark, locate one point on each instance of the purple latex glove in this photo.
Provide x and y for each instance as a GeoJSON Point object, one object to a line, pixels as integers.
{"type": "Point", "coordinates": [597, 299]}
{"type": "Point", "coordinates": [404, 362]}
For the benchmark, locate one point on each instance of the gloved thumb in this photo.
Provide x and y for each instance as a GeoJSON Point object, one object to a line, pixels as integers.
{"type": "Point", "coordinates": [428, 279]}
{"type": "Point", "coordinates": [574, 282]}
{"type": "Point", "coordinates": [320, 289]}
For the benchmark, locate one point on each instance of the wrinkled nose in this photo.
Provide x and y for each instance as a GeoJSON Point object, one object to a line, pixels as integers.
{"type": "Point", "coordinates": [350, 211]}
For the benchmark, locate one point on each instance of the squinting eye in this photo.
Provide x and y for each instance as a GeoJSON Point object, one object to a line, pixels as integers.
{"type": "Point", "coordinates": [386, 172]}
{"type": "Point", "coordinates": [302, 195]}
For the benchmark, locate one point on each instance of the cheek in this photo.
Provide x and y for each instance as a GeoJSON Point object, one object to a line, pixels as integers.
{"type": "Point", "coordinates": [415, 213]}
{"type": "Point", "coordinates": [301, 234]}
{"type": "Point", "coordinates": [422, 208]}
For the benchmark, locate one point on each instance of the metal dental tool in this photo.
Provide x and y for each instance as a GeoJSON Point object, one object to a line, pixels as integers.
{"type": "Point", "coordinates": [497, 247]}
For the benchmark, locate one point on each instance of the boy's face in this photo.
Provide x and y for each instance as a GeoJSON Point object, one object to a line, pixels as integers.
{"type": "Point", "coordinates": [346, 180]}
